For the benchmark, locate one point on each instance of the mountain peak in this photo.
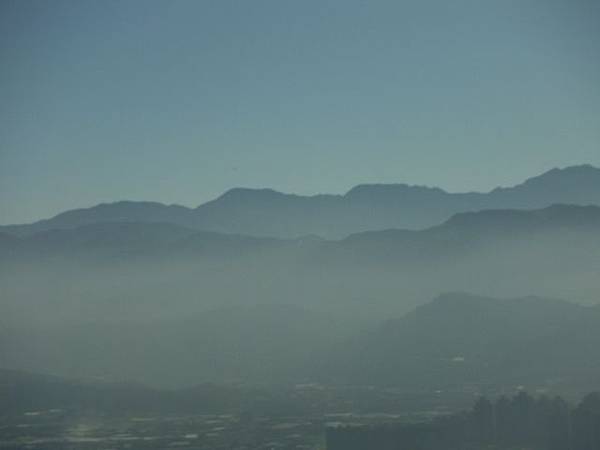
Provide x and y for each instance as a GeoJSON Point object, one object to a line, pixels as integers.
{"type": "Point", "coordinates": [571, 179]}
{"type": "Point", "coordinates": [243, 194]}
{"type": "Point", "coordinates": [267, 212]}
{"type": "Point", "coordinates": [371, 190]}
{"type": "Point", "coordinates": [582, 170]}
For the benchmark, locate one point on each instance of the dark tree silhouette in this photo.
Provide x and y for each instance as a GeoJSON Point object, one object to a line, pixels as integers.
{"type": "Point", "coordinates": [508, 423]}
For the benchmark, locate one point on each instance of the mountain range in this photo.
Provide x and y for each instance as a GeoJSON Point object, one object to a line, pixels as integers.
{"type": "Point", "coordinates": [462, 232]}
{"type": "Point", "coordinates": [268, 213]}
{"type": "Point", "coordinates": [82, 292]}
{"type": "Point", "coordinates": [127, 269]}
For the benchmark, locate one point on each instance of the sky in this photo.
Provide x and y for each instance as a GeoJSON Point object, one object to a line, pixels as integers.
{"type": "Point", "coordinates": [178, 101]}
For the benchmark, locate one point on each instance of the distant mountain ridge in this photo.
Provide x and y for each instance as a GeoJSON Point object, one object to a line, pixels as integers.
{"type": "Point", "coordinates": [268, 213]}
{"type": "Point", "coordinates": [158, 239]}
{"type": "Point", "coordinates": [458, 339]}
{"type": "Point", "coordinates": [464, 338]}
{"type": "Point", "coordinates": [551, 251]}
{"type": "Point", "coordinates": [468, 231]}
{"type": "Point", "coordinates": [148, 279]}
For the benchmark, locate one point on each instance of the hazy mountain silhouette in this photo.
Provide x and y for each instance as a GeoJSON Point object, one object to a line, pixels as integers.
{"type": "Point", "coordinates": [265, 212]}
{"type": "Point", "coordinates": [123, 211]}
{"type": "Point", "coordinates": [467, 233]}
{"type": "Point", "coordinates": [101, 292]}
{"type": "Point", "coordinates": [462, 232]}
{"type": "Point", "coordinates": [461, 338]}
{"type": "Point", "coordinates": [455, 340]}
{"type": "Point", "coordinates": [552, 251]}
{"type": "Point", "coordinates": [125, 240]}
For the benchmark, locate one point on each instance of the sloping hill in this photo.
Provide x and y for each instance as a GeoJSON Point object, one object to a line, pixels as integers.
{"type": "Point", "coordinates": [460, 339]}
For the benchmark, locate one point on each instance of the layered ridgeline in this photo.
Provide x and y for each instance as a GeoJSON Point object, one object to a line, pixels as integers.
{"type": "Point", "coordinates": [200, 306]}
{"type": "Point", "coordinates": [161, 270]}
{"type": "Point", "coordinates": [83, 292]}
{"type": "Point", "coordinates": [462, 234]}
{"type": "Point", "coordinates": [265, 212]}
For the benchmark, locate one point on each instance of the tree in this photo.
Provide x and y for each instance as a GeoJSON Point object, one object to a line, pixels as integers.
{"type": "Point", "coordinates": [482, 421]}
{"type": "Point", "coordinates": [586, 423]}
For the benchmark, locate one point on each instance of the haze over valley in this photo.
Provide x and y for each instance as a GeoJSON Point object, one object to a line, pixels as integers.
{"type": "Point", "coordinates": [310, 225]}
{"type": "Point", "coordinates": [94, 287]}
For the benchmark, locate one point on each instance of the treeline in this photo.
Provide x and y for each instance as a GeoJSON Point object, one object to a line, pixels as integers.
{"type": "Point", "coordinates": [519, 422]}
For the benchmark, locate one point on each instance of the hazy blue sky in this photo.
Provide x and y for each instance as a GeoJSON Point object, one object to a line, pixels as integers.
{"type": "Point", "coordinates": [177, 101]}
